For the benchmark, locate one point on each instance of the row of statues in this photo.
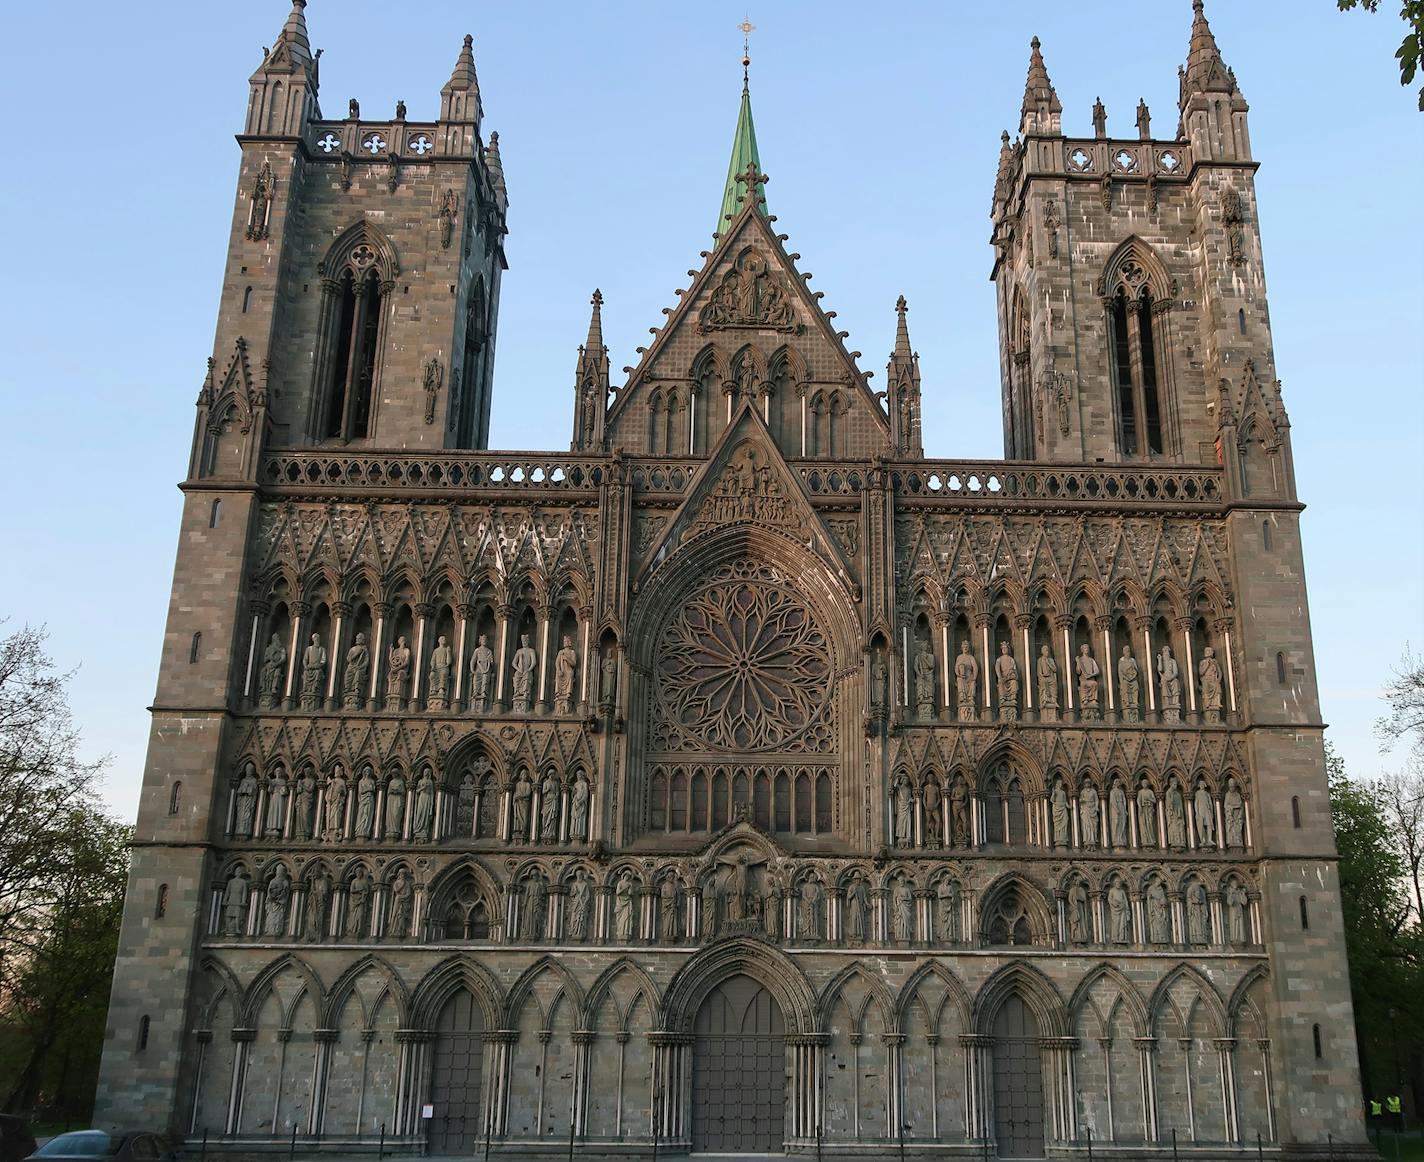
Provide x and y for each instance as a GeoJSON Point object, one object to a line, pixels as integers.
{"type": "Point", "coordinates": [1087, 674]}
{"type": "Point", "coordinates": [381, 807]}
{"type": "Point", "coordinates": [356, 674]}
{"type": "Point", "coordinates": [1177, 819]}
{"type": "Point", "coordinates": [733, 901]}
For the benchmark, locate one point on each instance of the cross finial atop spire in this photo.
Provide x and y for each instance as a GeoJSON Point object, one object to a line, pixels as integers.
{"type": "Point", "coordinates": [747, 28]}
{"type": "Point", "coordinates": [902, 328]}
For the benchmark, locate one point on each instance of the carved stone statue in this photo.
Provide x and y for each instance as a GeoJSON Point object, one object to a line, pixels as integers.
{"type": "Point", "coordinates": [1129, 687]}
{"type": "Point", "coordinates": [523, 682]}
{"type": "Point", "coordinates": [358, 901]}
{"type": "Point", "coordinates": [1198, 925]}
{"type": "Point", "coordinates": [305, 802]}
{"type": "Point", "coordinates": [1006, 676]}
{"type": "Point", "coordinates": [366, 804]}
{"type": "Point", "coordinates": [523, 793]}
{"type": "Point", "coordinates": [879, 683]}
{"type": "Point", "coordinates": [397, 671]}
{"type": "Point", "coordinates": [623, 908]}
{"type": "Point", "coordinates": [565, 671]}
{"type": "Point", "coordinates": [1171, 686]}
{"type": "Point", "coordinates": [313, 673]}
{"type": "Point", "coordinates": [904, 815]}
{"type": "Point", "coordinates": [356, 674]}
{"type": "Point", "coordinates": [1089, 813]}
{"type": "Point", "coordinates": [1159, 925]}
{"type": "Point", "coordinates": [395, 809]}
{"type": "Point", "coordinates": [857, 910]}
{"type": "Point", "coordinates": [578, 811]}
{"type": "Point", "coordinates": [609, 677]}
{"type": "Point", "coordinates": [966, 677]}
{"type": "Point", "coordinates": [668, 926]}
{"type": "Point", "coordinates": [1234, 811]}
{"type": "Point", "coordinates": [1236, 904]}
{"type": "Point", "coordinates": [925, 682]}
{"type": "Point", "coordinates": [402, 900]}
{"type": "Point", "coordinates": [1176, 817]}
{"type": "Point", "coordinates": [1204, 815]}
{"type": "Point", "coordinates": [482, 673]}
{"type": "Point", "coordinates": [959, 813]}
{"type": "Point", "coordinates": [1047, 685]}
{"type": "Point", "coordinates": [580, 906]}
{"type": "Point", "coordinates": [244, 813]}
{"type": "Point", "coordinates": [465, 807]}
{"type": "Point", "coordinates": [335, 806]}
{"type": "Point", "coordinates": [947, 898]}
{"type": "Point", "coordinates": [931, 799]}
{"type": "Point", "coordinates": [549, 809]}
{"type": "Point", "coordinates": [269, 679]}
{"type": "Point", "coordinates": [1117, 813]}
{"type": "Point", "coordinates": [1088, 673]}
{"type": "Point", "coordinates": [442, 660]}
{"type": "Point", "coordinates": [1079, 929]}
{"type": "Point", "coordinates": [235, 897]}
{"type": "Point", "coordinates": [1146, 814]}
{"type": "Point", "coordinates": [315, 923]}
{"type": "Point", "coordinates": [812, 922]}
{"type": "Point", "coordinates": [1209, 671]}
{"type": "Point", "coordinates": [535, 907]}
{"type": "Point", "coordinates": [277, 792]}
{"type": "Point", "coordinates": [278, 897]}
{"type": "Point", "coordinates": [1060, 815]}
{"type": "Point", "coordinates": [422, 816]}
{"type": "Point", "coordinates": [1119, 914]}
{"type": "Point", "coordinates": [902, 909]}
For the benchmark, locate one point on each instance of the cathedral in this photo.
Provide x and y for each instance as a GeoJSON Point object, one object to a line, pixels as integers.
{"type": "Point", "coordinates": [739, 779]}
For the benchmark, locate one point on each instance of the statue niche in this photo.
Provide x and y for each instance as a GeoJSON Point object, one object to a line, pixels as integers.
{"type": "Point", "coordinates": [748, 295]}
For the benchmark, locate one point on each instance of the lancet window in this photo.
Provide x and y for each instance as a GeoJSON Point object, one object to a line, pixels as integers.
{"type": "Point", "coordinates": [357, 281]}
{"type": "Point", "coordinates": [1136, 295]}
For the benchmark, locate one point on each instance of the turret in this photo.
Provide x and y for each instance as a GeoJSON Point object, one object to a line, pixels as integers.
{"type": "Point", "coordinates": [460, 108]}
{"type": "Point", "coordinates": [591, 383]}
{"type": "Point", "coordinates": [902, 377]}
{"type": "Point", "coordinates": [1042, 112]}
{"type": "Point", "coordinates": [1212, 107]}
{"type": "Point", "coordinates": [284, 87]}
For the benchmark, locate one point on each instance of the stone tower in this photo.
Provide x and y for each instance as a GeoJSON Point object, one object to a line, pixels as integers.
{"type": "Point", "coordinates": [742, 779]}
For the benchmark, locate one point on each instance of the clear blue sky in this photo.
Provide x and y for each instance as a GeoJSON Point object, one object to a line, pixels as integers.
{"type": "Point", "coordinates": [879, 126]}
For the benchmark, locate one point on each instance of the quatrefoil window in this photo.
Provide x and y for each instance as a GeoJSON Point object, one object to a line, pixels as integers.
{"type": "Point", "coordinates": [421, 145]}
{"type": "Point", "coordinates": [329, 144]}
{"type": "Point", "coordinates": [374, 144]}
{"type": "Point", "coordinates": [1169, 161]}
{"type": "Point", "coordinates": [362, 256]}
{"type": "Point", "coordinates": [1080, 160]}
{"type": "Point", "coordinates": [1125, 161]}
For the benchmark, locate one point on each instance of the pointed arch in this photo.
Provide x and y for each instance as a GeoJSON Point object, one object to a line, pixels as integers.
{"type": "Point", "coordinates": [345, 985]}
{"type": "Point", "coordinates": [768, 966]}
{"type": "Point", "coordinates": [601, 988]}
{"type": "Point", "coordinates": [266, 980]}
{"type": "Point", "coordinates": [1206, 993]}
{"type": "Point", "coordinates": [348, 254]}
{"type": "Point", "coordinates": [1010, 899]}
{"type": "Point", "coordinates": [1037, 991]}
{"type": "Point", "coordinates": [1241, 999]}
{"type": "Point", "coordinates": [955, 992]}
{"type": "Point", "coordinates": [876, 993]}
{"type": "Point", "coordinates": [1127, 994]}
{"type": "Point", "coordinates": [1134, 266]}
{"type": "Point", "coordinates": [450, 975]}
{"type": "Point", "coordinates": [522, 988]}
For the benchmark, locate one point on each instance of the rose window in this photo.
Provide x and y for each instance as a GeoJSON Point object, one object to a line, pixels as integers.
{"type": "Point", "coordinates": [743, 666]}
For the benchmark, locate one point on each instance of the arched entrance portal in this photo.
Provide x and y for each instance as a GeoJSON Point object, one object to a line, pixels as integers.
{"type": "Point", "coordinates": [1018, 1082]}
{"type": "Point", "coordinates": [739, 1070]}
{"type": "Point", "coordinates": [455, 1076]}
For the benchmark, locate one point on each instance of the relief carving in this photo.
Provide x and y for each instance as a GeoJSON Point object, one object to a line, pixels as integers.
{"type": "Point", "coordinates": [748, 296]}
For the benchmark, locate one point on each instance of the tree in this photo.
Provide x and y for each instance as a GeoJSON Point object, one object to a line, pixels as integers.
{"type": "Point", "coordinates": [1412, 12]}
{"type": "Point", "coordinates": [1405, 695]}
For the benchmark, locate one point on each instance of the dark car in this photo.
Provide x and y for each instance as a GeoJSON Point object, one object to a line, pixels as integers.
{"type": "Point", "coordinates": [16, 1141]}
{"type": "Point", "coordinates": [95, 1144]}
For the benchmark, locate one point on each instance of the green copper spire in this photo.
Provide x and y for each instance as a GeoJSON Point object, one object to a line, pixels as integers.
{"type": "Point", "coordinates": [744, 153]}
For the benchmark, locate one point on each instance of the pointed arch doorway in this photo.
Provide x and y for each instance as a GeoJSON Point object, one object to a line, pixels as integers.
{"type": "Point", "coordinates": [1018, 1081]}
{"type": "Point", "coordinates": [739, 1070]}
{"type": "Point", "coordinates": [455, 1080]}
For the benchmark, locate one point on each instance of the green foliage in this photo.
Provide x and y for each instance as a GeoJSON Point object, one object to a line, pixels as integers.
{"type": "Point", "coordinates": [1412, 13]}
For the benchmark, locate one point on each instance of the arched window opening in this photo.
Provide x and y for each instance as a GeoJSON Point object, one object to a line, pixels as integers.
{"type": "Point", "coordinates": [678, 819]}
{"type": "Point", "coordinates": [143, 1026]}
{"type": "Point", "coordinates": [803, 803]}
{"type": "Point", "coordinates": [1133, 348]}
{"type": "Point", "coordinates": [781, 802]}
{"type": "Point", "coordinates": [993, 813]}
{"type": "Point", "coordinates": [470, 404]}
{"type": "Point", "coordinates": [1304, 915]}
{"type": "Point", "coordinates": [1319, 1045]}
{"type": "Point", "coordinates": [823, 803]}
{"type": "Point", "coordinates": [215, 514]}
{"type": "Point", "coordinates": [1241, 320]}
{"type": "Point", "coordinates": [1280, 669]}
{"type": "Point", "coordinates": [699, 802]}
{"type": "Point", "coordinates": [175, 798]}
{"type": "Point", "coordinates": [1266, 535]}
{"type": "Point", "coordinates": [160, 903]}
{"type": "Point", "coordinates": [761, 806]}
{"type": "Point", "coordinates": [195, 649]}
{"type": "Point", "coordinates": [719, 801]}
{"type": "Point", "coordinates": [1015, 816]}
{"type": "Point", "coordinates": [246, 300]}
{"type": "Point", "coordinates": [356, 336]}
{"type": "Point", "coordinates": [1295, 811]}
{"type": "Point", "coordinates": [657, 805]}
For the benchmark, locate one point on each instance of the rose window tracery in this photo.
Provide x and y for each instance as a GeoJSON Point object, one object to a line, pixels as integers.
{"type": "Point", "coordinates": [743, 665]}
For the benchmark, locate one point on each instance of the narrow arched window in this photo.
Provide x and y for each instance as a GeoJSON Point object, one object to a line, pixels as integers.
{"type": "Point", "coordinates": [1319, 1045]}
{"type": "Point", "coordinates": [1304, 915]}
{"type": "Point", "coordinates": [354, 337]}
{"type": "Point", "coordinates": [143, 1024]}
{"type": "Point", "coordinates": [175, 797]}
{"type": "Point", "coordinates": [195, 649]}
{"type": "Point", "coordinates": [657, 812]}
{"type": "Point", "coordinates": [215, 514]}
{"type": "Point", "coordinates": [1133, 349]}
{"type": "Point", "coordinates": [160, 903]}
{"type": "Point", "coordinates": [1266, 535]}
{"type": "Point", "coordinates": [1280, 669]}
{"type": "Point", "coordinates": [1241, 320]}
{"type": "Point", "coordinates": [1295, 811]}
{"type": "Point", "coordinates": [246, 300]}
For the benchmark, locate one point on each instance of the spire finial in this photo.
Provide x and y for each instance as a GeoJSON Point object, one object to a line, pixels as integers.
{"type": "Point", "coordinates": [1041, 107]}
{"type": "Point", "coordinates": [902, 328]}
{"type": "Point", "coordinates": [744, 155]}
{"type": "Point", "coordinates": [747, 28]}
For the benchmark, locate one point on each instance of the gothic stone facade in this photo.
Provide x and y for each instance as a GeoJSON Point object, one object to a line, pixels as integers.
{"type": "Point", "coordinates": [741, 777]}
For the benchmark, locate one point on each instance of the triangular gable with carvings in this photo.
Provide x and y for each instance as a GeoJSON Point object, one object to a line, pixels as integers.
{"type": "Point", "coordinates": [747, 298]}
{"type": "Point", "coordinates": [747, 482]}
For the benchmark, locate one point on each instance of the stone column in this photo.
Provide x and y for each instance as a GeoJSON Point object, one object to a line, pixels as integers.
{"type": "Point", "coordinates": [977, 1062]}
{"type": "Point", "coordinates": [583, 1049]}
{"type": "Point", "coordinates": [807, 1092]}
{"type": "Point", "coordinates": [335, 652]}
{"type": "Point", "coordinates": [1184, 627]}
{"type": "Point", "coordinates": [1147, 1060]}
{"type": "Point", "coordinates": [1069, 670]}
{"type": "Point", "coordinates": [500, 1043]}
{"type": "Point", "coordinates": [1147, 668]}
{"type": "Point", "coordinates": [947, 686]}
{"type": "Point", "coordinates": [423, 613]}
{"type": "Point", "coordinates": [378, 653]}
{"type": "Point", "coordinates": [585, 616]}
{"type": "Point", "coordinates": [300, 612]}
{"type": "Point", "coordinates": [986, 667]}
{"type": "Point", "coordinates": [541, 695]}
{"type": "Point", "coordinates": [1226, 1054]}
{"type": "Point", "coordinates": [1264, 1044]}
{"type": "Point", "coordinates": [325, 1039]}
{"type": "Point", "coordinates": [260, 610]}
{"type": "Point", "coordinates": [242, 1040]}
{"type": "Point", "coordinates": [894, 1082]}
{"type": "Point", "coordinates": [1064, 1089]}
{"type": "Point", "coordinates": [672, 1057]}
{"type": "Point", "coordinates": [504, 615]}
{"type": "Point", "coordinates": [1109, 667]}
{"type": "Point", "coordinates": [464, 613]}
{"type": "Point", "coordinates": [1223, 631]}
